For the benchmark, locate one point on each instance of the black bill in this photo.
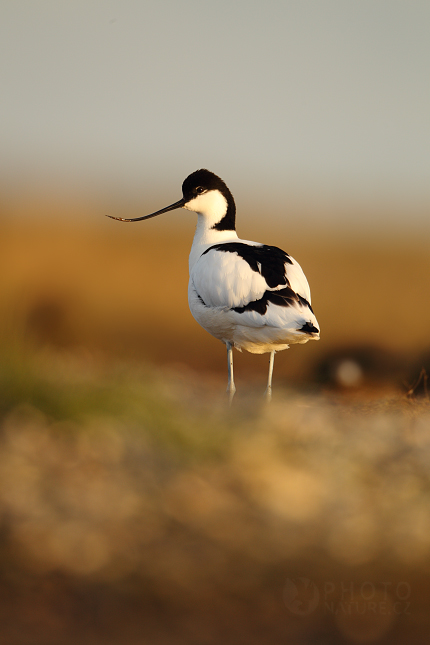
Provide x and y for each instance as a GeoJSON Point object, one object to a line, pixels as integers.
{"type": "Point", "coordinates": [172, 207]}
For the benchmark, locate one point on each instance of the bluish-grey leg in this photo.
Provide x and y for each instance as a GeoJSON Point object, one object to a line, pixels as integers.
{"type": "Point", "coordinates": [231, 389]}
{"type": "Point", "coordinates": [268, 392]}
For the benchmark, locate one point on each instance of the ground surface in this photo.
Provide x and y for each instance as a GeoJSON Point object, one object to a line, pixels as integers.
{"type": "Point", "coordinates": [136, 508]}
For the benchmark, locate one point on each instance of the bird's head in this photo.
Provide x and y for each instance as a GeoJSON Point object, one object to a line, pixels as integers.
{"type": "Point", "coordinates": [206, 194]}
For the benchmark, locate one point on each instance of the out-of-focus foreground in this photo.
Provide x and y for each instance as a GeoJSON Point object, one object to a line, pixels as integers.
{"type": "Point", "coordinates": [137, 509]}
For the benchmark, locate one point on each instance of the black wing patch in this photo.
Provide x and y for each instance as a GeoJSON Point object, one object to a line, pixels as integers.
{"type": "Point", "coordinates": [282, 298]}
{"type": "Point", "coordinates": [269, 261]}
{"type": "Point", "coordinates": [309, 328]}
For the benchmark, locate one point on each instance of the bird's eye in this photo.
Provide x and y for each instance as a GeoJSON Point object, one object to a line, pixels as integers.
{"type": "Point", "coordinates": [200, 190]}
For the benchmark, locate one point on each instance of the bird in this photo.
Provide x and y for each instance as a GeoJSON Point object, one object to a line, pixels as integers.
{"type": "Point", "coordinates": [250, 296]}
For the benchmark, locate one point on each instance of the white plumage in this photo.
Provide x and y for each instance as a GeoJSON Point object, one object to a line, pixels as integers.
{"type": "Point", "coordinates": [248, 295]}
{"type": "Point", "coordinates": [224, 281]}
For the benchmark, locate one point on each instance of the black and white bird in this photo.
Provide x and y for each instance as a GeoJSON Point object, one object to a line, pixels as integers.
{"type": "Point", "coordinates": [248, 295]}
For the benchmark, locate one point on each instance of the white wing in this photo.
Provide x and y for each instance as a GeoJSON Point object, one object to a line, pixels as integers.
{"type": "Point", "coordinates": [297, 280]}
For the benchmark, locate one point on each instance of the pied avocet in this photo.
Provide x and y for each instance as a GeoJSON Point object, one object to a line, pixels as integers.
{"type": "Point", "coordinates": [248, 295]}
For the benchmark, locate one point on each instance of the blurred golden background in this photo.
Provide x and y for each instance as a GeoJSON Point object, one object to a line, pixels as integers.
{"type": "Point", "coordinates": [135, 506]}
{"type": "Point", "coordinates": [120, 291]}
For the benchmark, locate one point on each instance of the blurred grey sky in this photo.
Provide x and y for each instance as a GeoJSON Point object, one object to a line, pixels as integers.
{"type": "Point", "coordinates": [301, 100]}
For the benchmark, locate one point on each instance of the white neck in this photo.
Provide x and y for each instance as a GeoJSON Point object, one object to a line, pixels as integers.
{"type": "Point", "coordinates": [206, 236]}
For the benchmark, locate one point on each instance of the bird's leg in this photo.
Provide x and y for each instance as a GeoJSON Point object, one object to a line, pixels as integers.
{"type": "Point", "coordinates": [268, 392]}
{"type": "Point", "coordinates": [231, 389]}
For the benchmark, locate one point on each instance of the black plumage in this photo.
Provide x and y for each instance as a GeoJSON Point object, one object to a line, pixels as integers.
{"type": "Point", "coordinates": [282, 298]}
{"type": "Point", "coordinates": [269, 261]}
